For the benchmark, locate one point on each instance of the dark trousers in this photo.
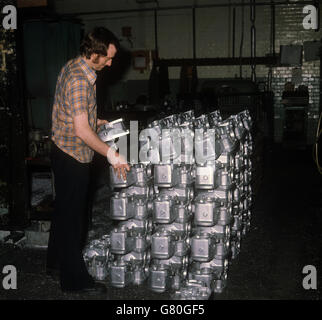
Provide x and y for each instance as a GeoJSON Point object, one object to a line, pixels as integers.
{"type": "Point", "coordinates": [69, 224]}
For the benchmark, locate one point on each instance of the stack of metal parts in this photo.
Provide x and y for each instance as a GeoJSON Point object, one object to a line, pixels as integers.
{"type": "Point", "coordinates": [183, 211]}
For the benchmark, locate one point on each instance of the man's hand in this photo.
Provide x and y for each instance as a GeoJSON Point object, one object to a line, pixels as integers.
{"type": "Point", "coordinates": [118, 163]}
{"type": "Point", "coordinates": [100, 122]}
{"type": "Point", "coordinates": [85, 132]}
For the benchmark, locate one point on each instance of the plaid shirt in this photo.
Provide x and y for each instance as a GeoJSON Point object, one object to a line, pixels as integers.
{"type": "Point", "coordinates": [75, 94]}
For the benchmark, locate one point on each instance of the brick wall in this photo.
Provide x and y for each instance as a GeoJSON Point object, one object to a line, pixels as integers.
{"type": "Point", "coordinates": [289, 30]}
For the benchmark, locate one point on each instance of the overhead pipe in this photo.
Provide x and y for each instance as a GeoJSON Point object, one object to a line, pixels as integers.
{"type": "Point", "coordinates": [278, 3]}
{"type": "Point", "coordinates": [273, 28]}
{"type": "Point", "coordinates": [229, 31]}
{"type": "Point", "coordinates": [241, 41]}
{"type": "Point", "coordinates": [253, 39]}
{"type": "Point", "coordinates": [218, 61]}
{"type": "Point", "coordinates": [234, 31]}
{"type": "Point", "coordinates": [156, 34]}
{"type": "Point", "coordinates": [320, 102]}
{"type": "Point", "coordinates": [194, 31]}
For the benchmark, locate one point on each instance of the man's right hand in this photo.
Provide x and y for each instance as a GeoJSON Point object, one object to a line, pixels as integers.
{"type": "Point", "coordinates": [118, 163]}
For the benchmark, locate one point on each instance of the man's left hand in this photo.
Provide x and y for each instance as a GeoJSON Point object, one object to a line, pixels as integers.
{"type": "Point", "coordinates": [101, 122]}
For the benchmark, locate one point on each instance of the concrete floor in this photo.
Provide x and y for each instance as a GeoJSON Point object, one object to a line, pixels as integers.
{"type": "Point", "coordinates": [285, 236]}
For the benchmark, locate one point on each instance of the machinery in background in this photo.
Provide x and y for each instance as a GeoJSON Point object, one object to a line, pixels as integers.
{"type": "Point", "coordinates": [4, 163]}
{"type": "Point", "coordinates": [39, 144]}
{"type": "Point", "coordinates": [13, 184]}
{"type": "Point", "coordinates": [183, 211]}
{"type": "Point", "coordinates": [316, 146]}
{"type": "Point", "coordinates": [296, 104]}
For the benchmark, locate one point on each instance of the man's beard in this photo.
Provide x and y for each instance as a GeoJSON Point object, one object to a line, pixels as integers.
{"type": "Point", "coordinates": [95, 60]}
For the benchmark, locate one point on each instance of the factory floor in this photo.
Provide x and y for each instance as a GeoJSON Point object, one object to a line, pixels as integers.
{"type": "Point", "coordinates": [285, 236]}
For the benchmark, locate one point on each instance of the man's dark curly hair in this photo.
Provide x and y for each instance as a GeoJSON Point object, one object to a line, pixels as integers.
{"type": "Point", "coordinates": [97, 41]}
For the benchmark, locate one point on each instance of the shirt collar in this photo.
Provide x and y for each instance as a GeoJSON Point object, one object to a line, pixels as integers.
{"type": "Point", "coordinates": [89, 72]}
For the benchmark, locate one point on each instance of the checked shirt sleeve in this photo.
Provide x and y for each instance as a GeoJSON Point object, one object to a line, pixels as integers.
{"type": "Point", "coordinates": [77, 97]}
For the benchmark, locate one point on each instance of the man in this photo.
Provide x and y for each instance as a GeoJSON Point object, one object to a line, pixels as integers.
{"type": "Point", "coordinates": [74, 125]}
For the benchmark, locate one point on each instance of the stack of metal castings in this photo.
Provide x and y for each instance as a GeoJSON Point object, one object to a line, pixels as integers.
{"type": "Point", "coordinates": [183, 210]}
{"type": "Point", "coordinates": [130, 244]}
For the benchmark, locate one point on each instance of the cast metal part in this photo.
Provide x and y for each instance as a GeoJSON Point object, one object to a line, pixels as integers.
{"type": "Point", "coordinates": [112, 130]}
{"type": "Point", "coordinates": [166, 175]}
{"type": "Point", "coordinates": [163, 245]}
{"type": "Point", "coordinates": [192, 290]}
{"type": "Point", "coordinates": [119, 182]}
{"type": "Point", "coordinates": [159, 279]}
